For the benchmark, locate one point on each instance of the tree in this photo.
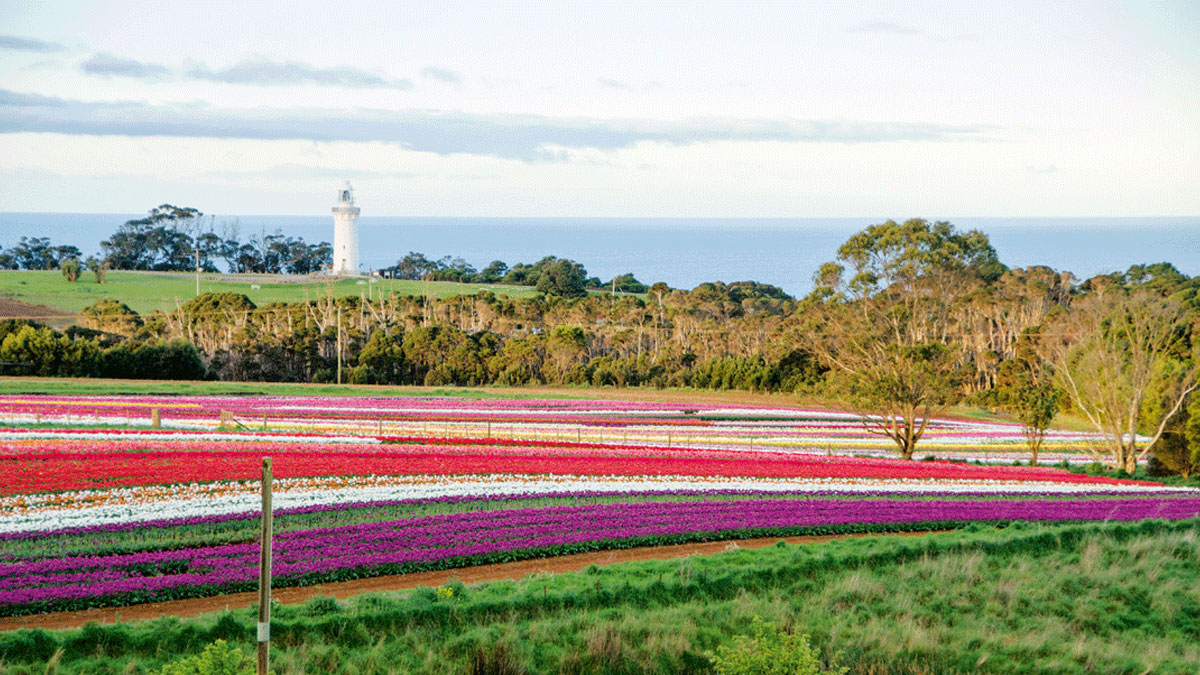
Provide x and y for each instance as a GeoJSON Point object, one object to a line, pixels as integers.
{"type": "Point", "coordinates": [47, 353]}
{"type": "Point", "coordinates": [412, 267]}
{"type": "Point", "coordinates": [493, 273]}
{"type": "Point", "coordinates": [211, 247]}
{"type": "Point", "coordinates": [70, 269]}
{"type": "Point", "coordinates": [37, 253]}
{"type": "Point", "coordinates": [1110, 352]}
{"type": "Point", "coordinates": [565, 348]}
{"type": "Point", "coordinates": [563, 278]}
{"type": "Point", "coordinates": [98, 267]}
{"type": "Point", "coordinates": [1029, 393]}
{"type": "Point", "coordinates": [111, 316]}
{"type": "Point", "coordinates": [626, 283]}
{"type": "Point", "coordinates": [161, 241]}
{"type": "Point", "coordinates": [1179, 448]}
{"type": "Point", "coordinates": [888, 331]}
{"type": "Point", "coordinates": [382, 359]}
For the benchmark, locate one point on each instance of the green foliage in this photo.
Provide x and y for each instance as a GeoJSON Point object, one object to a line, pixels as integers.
{"type": "Point", "coordinates": [98, 267]}
{"type": "Point", "coordinates": [154, 360]}
{"type": "Point", "coordinates": [898, 253]}
{"type": "Point", "coordinates": [771, 651]}
{"type": "Point", "coordinates": [36, 253]}
{"type": "Point", "coordinates": [1031, 397]}
{"type": "Point", "coordinates": [626, 283]}
{"type": "Point", "coordinates": [46, 352]}
{"type": "Point", "coordinates": [562, 278]}
{"type": "Point", "coordinates": [111, 316]}
{"type": "Point", "coordinates": [70, 269]}
{"type": "Point", "coordinates": [171, 238]}
{"type": "Point", "coordinates": [1178, 450]}
{"type": "Point", "coordinates": [381, 360]}
{"type": "Point", "coordinates": [216, 659]}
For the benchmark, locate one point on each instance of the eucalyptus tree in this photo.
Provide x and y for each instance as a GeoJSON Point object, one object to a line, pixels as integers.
{"type": "Point", "coordinates": [1128, 362]}
{"type": "Point", "coordinates": [883, 319]}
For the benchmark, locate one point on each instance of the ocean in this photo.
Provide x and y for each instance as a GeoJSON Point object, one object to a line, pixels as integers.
{"type": "Point", "coordinates": [683, 252]}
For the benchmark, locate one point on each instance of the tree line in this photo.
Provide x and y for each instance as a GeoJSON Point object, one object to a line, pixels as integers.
{"type": "Point", "coordinates": [908, 319]}
{"type": "Point", "coordinates": [174, 239]}
{"type": "Point", "coordinates": [553, 275]}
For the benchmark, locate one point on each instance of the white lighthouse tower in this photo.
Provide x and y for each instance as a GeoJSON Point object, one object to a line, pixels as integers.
{"type": "Point", "coordinates": [345, 232]}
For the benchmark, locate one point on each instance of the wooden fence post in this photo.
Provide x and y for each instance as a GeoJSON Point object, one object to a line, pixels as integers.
{"type": "Point", "coordinates": [155, 418]}
{"type": "Point", "coordinates": [264, 574]}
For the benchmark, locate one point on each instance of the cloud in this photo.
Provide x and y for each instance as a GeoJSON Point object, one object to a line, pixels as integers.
{"type": "Point", "coordinates": [18, 99]}
{"type": "Point", "coordinates": [107, 65]}
{"type": "Point", "coordinates": [305, 171]}
{"type": "Point", "coordinates": [886, 28]}
{"type": "Point", "coordinates": [21, 44]}
{"type": "Point", "coordinates": [523, 137]}
{"type": "Point", "coordinates": [266, 73]}
{"type": "Point", "coordinates": [442, 75]}
{"type": "Point", "coordinates": [613, 84]}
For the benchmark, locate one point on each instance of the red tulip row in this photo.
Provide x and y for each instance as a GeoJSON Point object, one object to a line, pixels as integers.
{"type": "Point", "coordinates": [47, 470]}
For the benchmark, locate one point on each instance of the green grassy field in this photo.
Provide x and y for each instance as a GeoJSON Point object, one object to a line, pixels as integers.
{"type": "Point", "coordinates": [80, 387]}
{"type": "Point", "coordinates": [1110, 598]}
{"type": "Point", "coordinates": [148, 291]}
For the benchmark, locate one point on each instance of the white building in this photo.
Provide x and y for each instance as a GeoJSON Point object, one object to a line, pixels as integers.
{"type": "Point", "coordinates": [345, 232]}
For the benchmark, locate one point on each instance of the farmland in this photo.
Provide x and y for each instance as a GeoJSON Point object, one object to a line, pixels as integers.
{"type": "Point", "coordinates": [146, 292]}
{"type": "Point", "coordinates": [98, 508]}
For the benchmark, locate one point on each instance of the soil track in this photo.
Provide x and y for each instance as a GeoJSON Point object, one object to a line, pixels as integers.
{"type": "Point", "coordinates": [10, 308]}
{"type": "Point", "coordinates": [468, 575]}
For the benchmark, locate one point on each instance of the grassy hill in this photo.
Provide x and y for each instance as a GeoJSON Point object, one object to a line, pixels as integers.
{"type": "Point", "coordinates": [149, 291]}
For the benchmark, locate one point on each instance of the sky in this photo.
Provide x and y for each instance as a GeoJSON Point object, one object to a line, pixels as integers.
{"type": "Point", "coordinates": [639, 109]}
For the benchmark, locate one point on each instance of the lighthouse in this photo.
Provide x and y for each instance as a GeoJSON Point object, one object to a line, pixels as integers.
{"type": "Point", "coordinates": [345, 232]}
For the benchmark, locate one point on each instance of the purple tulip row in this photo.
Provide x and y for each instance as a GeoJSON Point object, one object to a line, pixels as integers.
{"type": "Point", "coordinates": [454, 500]}
{"type": "Point", "coordinates": [383, 547]}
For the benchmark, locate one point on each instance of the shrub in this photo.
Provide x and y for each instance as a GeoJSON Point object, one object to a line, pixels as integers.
{"type": "Point", "coordinates": [217, 659]}
{"type": "Point", "coordinates": [70, 269]}
{"type": "Point", "coordinates": [771, 651]}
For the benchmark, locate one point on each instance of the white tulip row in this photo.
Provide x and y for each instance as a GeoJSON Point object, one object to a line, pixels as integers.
{"type": "Point", "coordinates": [39, 513]}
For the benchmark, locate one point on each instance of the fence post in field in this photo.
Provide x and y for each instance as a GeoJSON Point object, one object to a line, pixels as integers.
{"type": "Point", "coordinates": [264, 574]}
{"type": "Point", "coordinates": [155, 418]}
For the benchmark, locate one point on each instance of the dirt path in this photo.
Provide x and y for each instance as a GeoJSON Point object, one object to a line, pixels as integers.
{"type": "Point", "coordinates": [468, 575]}
{"type": "Point", "coordinates": [15, 309]}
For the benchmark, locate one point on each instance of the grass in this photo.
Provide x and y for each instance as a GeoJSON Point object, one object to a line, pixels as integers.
{"type": "Point", "coordinates": [62, 386]}
{"type": "Point", "coordinates": [86, 386]}
{"type": "Point", "coordinates": [149, 291]}
{"type": "Point", "coordinates": [1114, 598]}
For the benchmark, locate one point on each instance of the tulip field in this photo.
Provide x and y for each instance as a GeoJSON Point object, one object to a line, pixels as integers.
{"type": "Point", "coordinates": [98, 508]}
